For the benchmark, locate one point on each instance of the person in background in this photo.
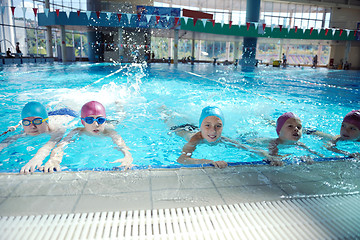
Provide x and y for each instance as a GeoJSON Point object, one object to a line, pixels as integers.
{"type": "Point", "coordinates": [284, 59]}
{"type": "Point", "coordinates": [18, 47]}
{"type": "Point", "coordinates": [93, 117]}
{"type": "Point", "coordinates": [8, 53]}
{"type": "Point", "coordinates": [315, 60]}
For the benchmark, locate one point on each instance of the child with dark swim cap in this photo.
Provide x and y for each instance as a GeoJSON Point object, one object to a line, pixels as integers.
{"type": "Point", "coordinates": [349, 131]}
{"type": "Point", "coordinates": [289, 130]}
{"type": "Point", "coordinates": [93, 117]}
{"type": "Point", "coordinates": [35, 121]}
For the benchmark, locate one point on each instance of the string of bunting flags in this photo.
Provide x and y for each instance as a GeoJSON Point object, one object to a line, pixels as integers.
{"type": "Point", "coordinates": [177, 20]}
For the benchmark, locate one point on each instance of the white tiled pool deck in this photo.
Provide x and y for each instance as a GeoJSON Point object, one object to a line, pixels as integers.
{"type": "Point", "coordinates": [80, 192]}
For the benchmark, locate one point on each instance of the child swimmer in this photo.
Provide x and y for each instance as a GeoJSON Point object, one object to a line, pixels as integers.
{"type": "Point", "coordinates": [211, 124]}
{"type": "Point", "coordinates": [289, 130]}
{"type": "Point", "coordinates": [349, 131]}
{"type": "Point", "coordinates": [35, 121]}
{"type": "Point", "coordinates": [93, 117]}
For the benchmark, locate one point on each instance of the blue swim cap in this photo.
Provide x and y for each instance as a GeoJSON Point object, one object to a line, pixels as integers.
{"type": "Point", "coordinates": [211, 111]}
{"type": "Point", "coordinates": [34, 109]}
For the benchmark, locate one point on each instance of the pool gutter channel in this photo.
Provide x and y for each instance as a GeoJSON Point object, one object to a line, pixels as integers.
{"type": "Point", "coordinates": [331, 217]}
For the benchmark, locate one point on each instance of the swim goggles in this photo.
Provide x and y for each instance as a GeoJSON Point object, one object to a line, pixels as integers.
{"type": "Point", "coordinates": [90, 120]}
{"type": "Point", "coordinates": [35, 121]}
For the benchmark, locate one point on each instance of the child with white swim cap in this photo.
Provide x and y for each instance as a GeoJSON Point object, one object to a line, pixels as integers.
{"type": "Point", "coordinates": [93, 117]}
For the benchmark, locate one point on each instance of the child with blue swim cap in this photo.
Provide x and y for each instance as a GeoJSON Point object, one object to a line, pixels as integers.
{"type": "Point", "coordinates": [93, 117]}
{"type": "Point", "coordinates": [35, 121]}
{"type": "Point", "coordinates": [211, 124]}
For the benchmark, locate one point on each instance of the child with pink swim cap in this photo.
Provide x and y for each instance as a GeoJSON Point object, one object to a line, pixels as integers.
{"type": "Point", "coordinates": [289, 130]}
{"type": "Point", "coordinates": [93, 117]}
{"type": "Point", "coordinates": [349, 131]}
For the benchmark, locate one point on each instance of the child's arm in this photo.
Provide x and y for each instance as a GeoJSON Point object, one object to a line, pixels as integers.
{"type": "Point", "coordinates": [127, 160]}
{"type": "Point", "coordinates": [318, 133]}
{"type": "Point", "coordinates": [332, 147]}
{"type": "Point", "coordinates": [308, 149]}
{"type": "Point", "coordinates": [42, 153]}
{"type": "Point", "coordinates": [189, 148]}
{"type": "Point", "coordinates": [272, 159]}
{"type": "Point", "coordinates": [58, 153]}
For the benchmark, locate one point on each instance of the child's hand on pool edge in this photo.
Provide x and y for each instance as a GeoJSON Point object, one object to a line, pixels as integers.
{"type": "Point", "coordinates": [219, 164]}
{"type": "Point", "coordinates": [31, 166]}
{"type": "Point", "coordinates": [126, 162]}
{"type": "Point", "coordinates": [50, 166]}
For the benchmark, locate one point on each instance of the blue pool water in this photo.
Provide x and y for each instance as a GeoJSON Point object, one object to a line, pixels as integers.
{"type": "Point", "coordinates": [133, 94]}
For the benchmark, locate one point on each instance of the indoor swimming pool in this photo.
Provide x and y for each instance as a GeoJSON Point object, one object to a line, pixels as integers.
{"type": "Point", "coordinates": [134, 96]}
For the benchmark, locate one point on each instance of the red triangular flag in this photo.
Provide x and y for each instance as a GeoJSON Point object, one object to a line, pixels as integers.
{"type": "Point", "coordinates": [195, 20]}
{"type": "Point", "coordinates": [264, 25]}
{"type": "Point", "coordinates": [35, 11]}
{"type": "Point", "coordinates": [139, 16]}
{"type": "Point", "coordinates": [280, 26]}
{"type": "Point", "coordinates": [230, 23]}
{"type": "Point", "coordinates": [247, 26]}
{"type": "Point", "coordinates": [119, 16]}
{"type": "Point", "coordinates": [157, 19]}
{"type": "Point", "coordinates": [341, 31]}
{"type": "Point", "coordinates": [311, 30]}
{"type": "Point", "coordinates": [326, 31]}
{"type": "Point", "coordinates": [355, 33]}
{"type": "Point", "coordinates": [98, 14]}
{"type": "Point", "coordinates": [57, 12]}
{"type": "Point", "coordinates": [213, 22]}
{"type": "Point", "coordinates": [13, 10]}
{"type": "Point", "coordinates": [296, 27]}
{"type": "Point", "coordinates": [176, 21]}
{"type": "Point", "coordinates": [78, 12]}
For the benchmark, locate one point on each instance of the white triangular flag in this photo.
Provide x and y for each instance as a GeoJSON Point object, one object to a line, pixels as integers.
{"type": "Point", "coordinates": [272, 27]}
{"type": "Point", "coordinates": [333, 31]}
{"type": "Point", "coordinates": [24, 10]}
{"type": "Point", "coordinates": [288, 28]}
{"type": "Point", "coordinates": [304, 29]}
{"type": "Point", "coordinates": [204, 21]}
{"type": "Point", "coordinates": [109, 15]}
{"type": "Point", "coordinates": [129, 17]}
{"type": "Point", "coordinates": [148, 17]}
{"type": "Point", "coordinates": [88, 14]}
{"type": "Point", "coordinates": [167, 18]}
{"type": "Point", "coordinates": [186, 19]}
{"type": "Point", "coordinates": [319, 30]}
{"type": "Point", "coordinates": [68, 13]}
{"type": "Point", "coordinates": [46, 11]}
{"type": "Point", "coordinates": [222, 23]}
{"type": "Point", "coordinates": [256, 25]}
{"type": "Point", "coordinates": [347, 31]}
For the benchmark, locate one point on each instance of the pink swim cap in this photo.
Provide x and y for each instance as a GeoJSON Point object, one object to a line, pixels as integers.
{"type": "Point", "coordinates": [92, 108]}
{"type": "Point", "coordinates": [282, 119]}
{"type": "Point", "coordinates": [353, 117]}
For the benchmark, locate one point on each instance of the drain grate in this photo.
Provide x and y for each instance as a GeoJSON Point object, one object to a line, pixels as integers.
{"type": "Point", "coordinates": [334, 217]}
